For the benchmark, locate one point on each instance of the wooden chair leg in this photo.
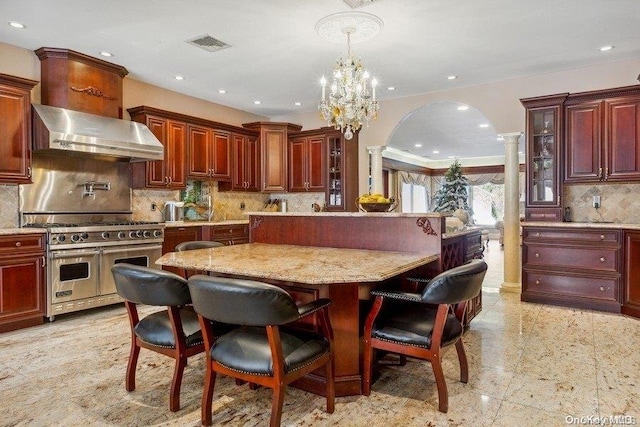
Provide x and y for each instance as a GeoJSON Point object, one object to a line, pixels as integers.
{"type": "Point", "coordinates": [462, 358]}
{"type": "Point", "coordinates": [403, 360]}
{"type": "Point", "coordinates": [276, 405]}
{"type": "Point", "coordinates": [367, 366]}
{"type": "Point", "coordinates": [443, 395]}
{"type": "Point", "coordinates": [176, 382]}
{"type": "Point", "coordinates": [130, 381]}
{"type": "Point", "coordinates": [331, 389]}
{"type": "Point", "coordinates": [207, 396]}
{"type": "Point", "coordinates": [253, 386]}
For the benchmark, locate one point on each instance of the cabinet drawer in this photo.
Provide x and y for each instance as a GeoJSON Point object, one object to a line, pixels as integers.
{"type": "Point", "coordinates": [18, 243]}
{"type": "Point", "coordinates": [582, 235]}
{"type": "Point", "coordinates": [592, 258]}
{"type": "Point", "coordinates": [229, 231]}
{"type": "Point", "coordinates": [560, 284]}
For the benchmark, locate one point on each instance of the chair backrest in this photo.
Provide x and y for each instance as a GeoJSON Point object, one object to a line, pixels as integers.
{"type": "Point", "coordinates": [150, 286]}
{"type": "Point", "coordinates": [241, 302]}
{"type": "Point", "coordinates": [457, 284]}
{"type": "Point", "coordinates": [197, 244]}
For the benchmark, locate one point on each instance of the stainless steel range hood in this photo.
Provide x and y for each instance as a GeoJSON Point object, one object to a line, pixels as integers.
{"type": "Point", "coordinates": [97, 136]}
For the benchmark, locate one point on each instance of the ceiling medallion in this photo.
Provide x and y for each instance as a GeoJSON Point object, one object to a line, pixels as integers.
{"type": "Point", "coordinates": [352, 95]}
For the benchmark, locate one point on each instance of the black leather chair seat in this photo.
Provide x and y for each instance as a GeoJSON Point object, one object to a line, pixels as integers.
{"type": "Point", "coordinates": [246, 349]}
{"type": "Point", "coordinates": [155, 329]}
{"type": "Point", "coordinates": [412, 324]}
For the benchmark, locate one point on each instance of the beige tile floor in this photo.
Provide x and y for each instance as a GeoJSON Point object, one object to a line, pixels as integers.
{"type": "Point", "coordinates": [530, 365]}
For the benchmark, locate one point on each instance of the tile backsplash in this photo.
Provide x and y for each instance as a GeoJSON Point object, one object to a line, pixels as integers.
{"type": "Point", "coordinates": [619, 202]}
{"type": "Point", "coordinates": [9, 206]}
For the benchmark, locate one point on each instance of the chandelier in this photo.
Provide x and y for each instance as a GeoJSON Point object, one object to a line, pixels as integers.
{"type": "Point", "coordinates": [350, 100]}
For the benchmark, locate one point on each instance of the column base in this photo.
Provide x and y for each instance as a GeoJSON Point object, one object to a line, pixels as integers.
{"type": "Point", "coordinates": [511, 287]}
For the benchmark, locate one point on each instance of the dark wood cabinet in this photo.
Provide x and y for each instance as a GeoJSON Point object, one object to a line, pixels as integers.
{"type": "Point", "coordinates": [169, 173]}
{"type": "Point", "coordinates": [342, 172]}
{"type": "Point", "coordinates": [22, 281]}
{"type": "Point", "coordinates": [245, 167]}
{"type": "Point", "coordinates": [208, 153]}
{"type": "Point", "coordinates": [274, 139]}
{"type": "Point", "coordinates": [544, 124]}
{"type": "Point", "coordinates": [603, 136]}
{"type": "Point", "coordinates": [15, 129]}
{"type": "Point", "coordinates": [307, 163]}
{"type": "Point", "coordinates": [227, 234]}
{"type": "Point", "coordinates": [631, 285]}
{"type": "Point", "coordinates": [176, 235]}
{"type": "Point", "coordinates": [575, 267]}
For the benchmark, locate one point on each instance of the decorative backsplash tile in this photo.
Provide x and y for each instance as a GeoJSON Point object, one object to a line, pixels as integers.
{"type": "Point", "coordinates": [144, 199]}
{"type": "Point", "coordinates": [9, 206]}
{"type": "Point", "coordinates": [619, 202]}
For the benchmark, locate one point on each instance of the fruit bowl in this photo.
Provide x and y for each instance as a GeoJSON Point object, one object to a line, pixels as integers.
{"type": "Point", "coordinates": [377, 207]}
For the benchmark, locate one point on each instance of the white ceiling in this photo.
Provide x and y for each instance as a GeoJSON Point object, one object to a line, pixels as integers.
{"type": "Point", "coordinates": [277, 57]}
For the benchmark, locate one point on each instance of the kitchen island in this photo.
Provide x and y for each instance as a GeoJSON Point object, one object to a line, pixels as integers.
{"type": "Point", "coordinates": [345, 275]}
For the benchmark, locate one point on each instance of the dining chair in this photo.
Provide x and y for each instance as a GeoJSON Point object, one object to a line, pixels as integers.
{"type": "Point", "coordinates": [265, 349]}
{"type": "Point", "coordinates": [192, 245]}
{"type": "Point", "coordinates": [420, 325]}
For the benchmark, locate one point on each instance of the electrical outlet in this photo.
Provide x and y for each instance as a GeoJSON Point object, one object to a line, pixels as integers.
{"type": "Point", "coordinates": [241, 206]}
{"type": "Point", "coordinates": [154, 206]}
{"type": "Point", "coordinates": [596, 202]}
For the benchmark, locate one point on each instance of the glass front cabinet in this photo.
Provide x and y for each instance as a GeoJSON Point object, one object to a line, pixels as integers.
{"type": "Point", "coordinates": [544, 147]}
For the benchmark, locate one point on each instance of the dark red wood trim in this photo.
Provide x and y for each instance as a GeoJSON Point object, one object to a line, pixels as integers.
{"type": "Point", "coordinates": [20, 82]}
{"type": "Point", "coordinates": [51, 52]}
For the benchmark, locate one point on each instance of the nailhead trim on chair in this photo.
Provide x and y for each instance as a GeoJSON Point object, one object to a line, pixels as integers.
{"type": "Point", "coordinates": [398, 296]}
{"type": "Point", "coordinates": [400, 342]}
{"type": "Point", "coordinates": [172, 346]}
{"type": "Point", "coordinates": [267, 375]}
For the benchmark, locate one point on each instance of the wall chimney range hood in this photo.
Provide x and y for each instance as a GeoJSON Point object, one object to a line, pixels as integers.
{"type": "Point", "coordinates": [75, 132]}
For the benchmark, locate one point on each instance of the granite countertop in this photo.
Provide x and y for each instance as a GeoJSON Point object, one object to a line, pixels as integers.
{"type": "Point", "coordinates": [348, 214]}
{"type": "Point", "coordinates": [201, 223]}
{"type": "Point", "coordinates": [600, 225]}
{"type": "Point", "coordinates": [302, 264]}
{"type": "Point", "coordinates": [28, 230]}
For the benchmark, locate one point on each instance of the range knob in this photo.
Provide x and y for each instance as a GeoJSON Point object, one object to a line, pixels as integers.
{"type": "Point", "coordinates": [139, 233]}
{"type": "Point", "coordinates": [75, 238]}
{"type": "Point", "coordinates": [60, 238]}
{"type": "Point", "coordinates": [121, 235]}
{"type": "Point", "coordinates": [132, 235]}
{"type": "Point", "coordinates": [84, 236]}
{"type": "Point", "coordinates": [157, 233]}
{"type": "Point", "coordinates": [105, 235]}
{"type": "Point", "coordinates": [146, 234]}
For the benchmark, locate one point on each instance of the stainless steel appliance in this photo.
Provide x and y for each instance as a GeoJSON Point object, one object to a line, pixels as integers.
{"type": "Point", "coordinates": [173, 211]}
{"type": "Point", "coordinates": [86, 206]}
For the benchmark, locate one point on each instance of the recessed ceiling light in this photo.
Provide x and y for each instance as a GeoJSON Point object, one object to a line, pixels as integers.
{"type": "Point", "coordinates": [179, 77]}
{"type": "Point", "coordinates": [463, 108]}
{"type": "Point", "coordinates": [18, 25]}
{"type": "Point", "coordinates": [391, 88]}
{"type": "Point", "coordinates": [107, 54]}
{"type": "Point", "coordinates": [223, 91]}
{"type": "Point", "coordinates": [451, 157]}
{"type": "Point", "coordinates": [500, 138]}
{"type": "Point", "coordinates": [257, 102]}
{"type": "Point", "coordinates": [297, 104]}
{"type": "Point", "coordinates": [436, 151]}
{"type": "Point", "coordinates": [452, 77]}
{"type": "Point", "coordinates": [606, 48]}
{"type": "Point", "coordinates": [484, 125]}
{"type": "Point", "coordinates": [418, 145]}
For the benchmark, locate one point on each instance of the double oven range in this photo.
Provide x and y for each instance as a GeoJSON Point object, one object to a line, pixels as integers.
{"type": "Point", "coordinates": [80, 256]}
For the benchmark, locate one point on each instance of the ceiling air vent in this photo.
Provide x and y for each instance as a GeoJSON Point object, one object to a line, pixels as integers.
{"type": "Point", "coordinates": [354, 4]}
{"type": "Point", "coordinates": [208, 43]}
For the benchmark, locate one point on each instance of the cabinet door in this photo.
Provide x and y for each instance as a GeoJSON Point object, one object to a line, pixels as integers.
{"type": "Point", "coordinates": [274, 160]}
{"type": "Point", "coordinates": [15, 135]}
{"type": "Point", "coordinates": [252, 161]}
{"type": "Point", "coordinates": [176, 235]}
{"type": "Point", "coordinates": [623, 139]}
{"type": "Point", "coordinates": [316, 164]}
{"type": "Point", "coordinates": [297, 164]}
{"type": "Point", "coordinates": [156, 175]}
{"type": "Point", "coordinates": [238, 181]}
{"type": "Point", "coordinates": [584, 151]}
{"type": "Point", "coordinates": [21, 291]}
{"type": "Point", "coordinates": [631, 285]}
{"type": "Point", "coordinates": [220, 155]}
{"type": "Point", "coordinates": [198, 143]}
{"type": "Point", "coordinates": [175, 154]}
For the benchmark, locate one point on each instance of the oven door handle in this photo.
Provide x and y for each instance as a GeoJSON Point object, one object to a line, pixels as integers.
{"type": "Point", "coordinates": [131, 248]}
{"type": "Point", "coordinates": [72, 254]}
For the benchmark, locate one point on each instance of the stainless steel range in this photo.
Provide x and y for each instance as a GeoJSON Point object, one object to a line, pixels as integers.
{"type": "Point", "coordinates": [85, 205]}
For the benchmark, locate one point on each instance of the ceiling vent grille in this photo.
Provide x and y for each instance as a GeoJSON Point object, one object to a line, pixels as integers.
{"type": "Point", "coordinates": [208, 43]}
{"type": "Point", "coordinates": [354, 4]}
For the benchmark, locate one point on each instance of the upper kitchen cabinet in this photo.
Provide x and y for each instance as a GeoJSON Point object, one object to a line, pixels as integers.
{"type": "Point", "coordinates": [245, 169]}
{"type": "Point", "coordinates": [307, 162]}
{"type": "Point", "coordinates": [172, 133]}
{"type": "Point", "coordinates": [15, 129]}
{"type": "Point", "coordinates": [208, 153]}
{"type": "Point", "coordinates": [273, 153]}
{"type": "Point", "coordinates": [603, 135]}
{"type": "Point", "coordinates": [342, 172]}
{"type": "Point", "coordinates": [543, 172]}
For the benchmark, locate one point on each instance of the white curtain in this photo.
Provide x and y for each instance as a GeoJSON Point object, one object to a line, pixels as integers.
{"type": "Point", "coordinates": [404, 177]}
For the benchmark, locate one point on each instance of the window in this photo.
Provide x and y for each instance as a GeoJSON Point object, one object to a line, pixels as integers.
{"type": "Point", "coordinates": [414, 198]}
{"type": "Point", "coordinates": [487, 202]}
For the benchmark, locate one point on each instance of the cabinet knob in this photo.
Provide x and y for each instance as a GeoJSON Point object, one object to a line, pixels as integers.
{"type": "Point", "coordinates": [600, 173]}
{"type": "Point", "coordinates": [602, 237]}
{"type": "Point", "coordinates": [537, 255]}
{"type": "Point", "coordinates": [18, 244]}
{"type": "Point", "coordinates": [537, 234]}
{"type": "Point", "coordinates": [602, 259]}
{"type": "Point", "coordinates": [537, 282]}
{"type": "Point", "coordinates": [601, 288]}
